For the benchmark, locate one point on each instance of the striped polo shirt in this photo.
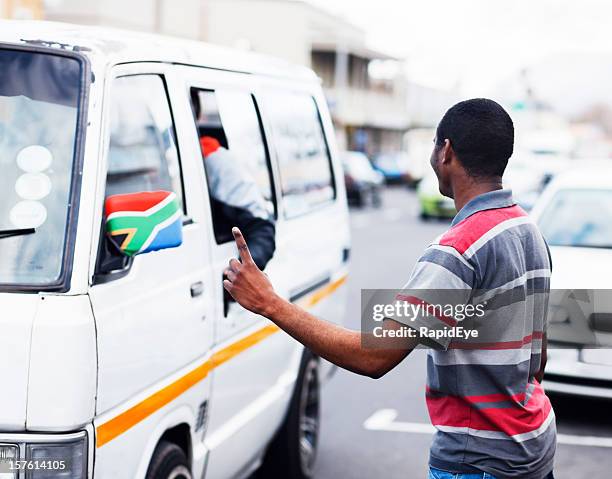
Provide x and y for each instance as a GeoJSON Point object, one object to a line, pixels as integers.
{"type": "Point", "coordinates": [490, 413]}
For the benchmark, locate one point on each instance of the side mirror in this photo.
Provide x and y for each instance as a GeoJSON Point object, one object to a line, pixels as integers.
{"type": "Point", "coordinates": [139, 223]}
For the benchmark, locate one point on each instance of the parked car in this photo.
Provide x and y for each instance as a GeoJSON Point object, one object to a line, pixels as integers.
{"type": "Point", "coordinates": [363, 183]}
{"type": "Point", "coordinates": [526, 180]}
{"type": "Point", "coordinates": [431, 202]}
{"type": "Point", "coordinates": [575, 216]}
{"type": "Point", "coordinates": [114, 354]}
{"type": "Point", "coordinates": [393, 166]}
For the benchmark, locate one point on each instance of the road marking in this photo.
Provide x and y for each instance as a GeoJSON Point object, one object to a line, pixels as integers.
{"type": "Point", "coordinates": [384, 420]}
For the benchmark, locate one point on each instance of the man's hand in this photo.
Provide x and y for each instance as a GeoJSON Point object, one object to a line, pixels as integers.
{"type": "Point", "coordinates": [246, 283]}
{"type": "Point", "coordinates": [252, 289]}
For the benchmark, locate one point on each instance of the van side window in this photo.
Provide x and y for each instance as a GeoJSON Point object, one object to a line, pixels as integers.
{"type": "Point", "coordinates": [304, 161]}
{"type": "Point", "coordinates": [142, 154]}
{"type": "Point", "coordinates": [235, 158]}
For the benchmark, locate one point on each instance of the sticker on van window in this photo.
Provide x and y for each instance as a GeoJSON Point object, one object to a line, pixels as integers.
{"type": "Point", "coordinates": [28, 214]}
{"type": "Point", "coordinates": [34, 158]}
{"type": "Point", "coordinates": [33, 186]}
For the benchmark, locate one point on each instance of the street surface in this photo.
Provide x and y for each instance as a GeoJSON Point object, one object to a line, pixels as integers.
{"type": "Point", "coordinates": [380, 428]}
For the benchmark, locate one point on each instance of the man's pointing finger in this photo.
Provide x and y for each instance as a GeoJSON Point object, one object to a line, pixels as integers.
{"type": "Point", "coordinates": [243, 249]}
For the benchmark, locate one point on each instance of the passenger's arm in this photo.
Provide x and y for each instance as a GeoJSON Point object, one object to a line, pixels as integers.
{"type": "Point", "coordinates": [261, 235]}
{"type": "Point", "coordinates": [253, 290]}
{"type": "Point", "coordinates": [259, 232]}
{"type": "Point", "coordinates": [540, 374]}
{"type": "Point", "coordinates": [237, 201]}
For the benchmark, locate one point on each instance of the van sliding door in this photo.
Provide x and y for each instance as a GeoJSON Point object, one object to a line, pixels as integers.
{"type": "Point", "coordinates": [249, 398]}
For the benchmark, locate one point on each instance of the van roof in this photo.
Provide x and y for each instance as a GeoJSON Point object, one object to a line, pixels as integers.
{"type": "Point", "coordinates": [111, 46]}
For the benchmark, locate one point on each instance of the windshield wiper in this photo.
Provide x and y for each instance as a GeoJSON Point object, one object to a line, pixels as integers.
{"type": "Point", "coordinates": [16, 232]}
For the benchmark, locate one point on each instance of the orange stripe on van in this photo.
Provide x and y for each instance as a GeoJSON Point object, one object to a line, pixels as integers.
{"type": "Point", "coordinates": [236, 348]}
{"type": "Point", "coordinates": [119, 424]}
{"type": "Point", "coordinates": [322, 293]}
{"type": "Point", "coordinates": [129, 418]}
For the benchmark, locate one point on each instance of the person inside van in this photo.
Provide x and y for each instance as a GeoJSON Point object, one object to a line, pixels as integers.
{"type": "Point", "coordinates": [236, 199]}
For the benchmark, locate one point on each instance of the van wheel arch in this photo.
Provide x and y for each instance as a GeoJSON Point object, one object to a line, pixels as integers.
{"type": "Point", "coordinates": [181, 436]}
{"type": "Point", "coordinates": [173, 452]}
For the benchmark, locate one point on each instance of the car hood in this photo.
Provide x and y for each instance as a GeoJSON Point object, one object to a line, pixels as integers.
{"type": "Point", "coordinates": [16, 320]}
{"type": "Point", "coordinates": [580, 268]}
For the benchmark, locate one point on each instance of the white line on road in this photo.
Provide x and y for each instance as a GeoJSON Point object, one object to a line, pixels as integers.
{"type": "Point", "coordinates": [384, 420]}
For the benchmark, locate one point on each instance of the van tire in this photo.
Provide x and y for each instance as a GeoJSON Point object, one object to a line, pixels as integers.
{"type": "Point", "coordinates": [168, 462]}
{"type": "Point", "coordinates": [287, 456]}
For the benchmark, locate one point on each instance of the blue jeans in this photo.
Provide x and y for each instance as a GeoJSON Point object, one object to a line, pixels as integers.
{"type": "Point", "coordinates": [438, 474]}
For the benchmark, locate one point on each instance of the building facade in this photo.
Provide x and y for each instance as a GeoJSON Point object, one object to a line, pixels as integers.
{"type": "Point", "coordinates": [369, 114]}
{"type": "Point", "coordinates": [22, 9]}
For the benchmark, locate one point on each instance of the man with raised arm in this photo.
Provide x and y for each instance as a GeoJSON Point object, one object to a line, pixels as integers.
{"type": "Point", "coordinates": [484, 396]}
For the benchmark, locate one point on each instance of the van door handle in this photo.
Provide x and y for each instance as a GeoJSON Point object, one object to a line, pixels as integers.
{"type": "Point", "coordinates": [196, 289]}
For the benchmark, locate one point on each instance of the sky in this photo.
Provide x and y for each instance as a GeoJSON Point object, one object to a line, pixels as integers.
{"type": "Point", "coordinates": [478, 45]}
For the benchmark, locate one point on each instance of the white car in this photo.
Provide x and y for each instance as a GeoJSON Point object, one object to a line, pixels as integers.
{"type": "Point", "coordinates": [575, 216]}
{"type": "Point", "coordinates": [119, 366]}
{"type": "Point", "coordinates": [362, 181]}
{"type": "Point", "coordinates": [525, 179]}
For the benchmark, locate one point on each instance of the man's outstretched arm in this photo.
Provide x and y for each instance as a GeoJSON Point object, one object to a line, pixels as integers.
{"type": "Point", "coordinates": [252, 289]}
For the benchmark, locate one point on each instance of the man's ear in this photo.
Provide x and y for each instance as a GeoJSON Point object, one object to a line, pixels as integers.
{"type": "Point", "coordinates": [447, 151]}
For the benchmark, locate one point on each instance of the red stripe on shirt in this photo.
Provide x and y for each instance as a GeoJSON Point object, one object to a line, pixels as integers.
{"type": "Point", "coordinates": [485, 398]}
{"type": "Point", "coordinates": [456, 411]}
{"type": "Point", "coordinates": [467, 232]}
{"type": "Point", "coordinates": [428, 308]}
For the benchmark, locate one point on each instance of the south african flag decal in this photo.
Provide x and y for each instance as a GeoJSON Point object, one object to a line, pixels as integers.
{"type": "Point", "coordinates": [143, 222]}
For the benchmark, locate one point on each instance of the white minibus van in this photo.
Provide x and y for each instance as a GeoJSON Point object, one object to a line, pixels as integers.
{"type": "Point", "coordinates": [133, 363]}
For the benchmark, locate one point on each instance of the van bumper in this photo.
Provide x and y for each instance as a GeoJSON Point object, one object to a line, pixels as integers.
{"type": "Point", "coordinates": [569, 372]}
{"type": "Point", "coordinates": [567, 385]}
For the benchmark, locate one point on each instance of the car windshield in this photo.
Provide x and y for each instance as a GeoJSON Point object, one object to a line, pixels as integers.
{"type": "Point", "coordinates": [579, 217]}
{"type": "Point", "coordinates": [39, 97]}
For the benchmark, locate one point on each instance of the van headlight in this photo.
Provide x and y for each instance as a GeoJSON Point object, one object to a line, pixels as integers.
{"type": "Point", "coordinates": [8, 455]}
{"type": "Point", "coordinates": [43, 456]}
{"type": "Point", "coordinates": [62, 460]}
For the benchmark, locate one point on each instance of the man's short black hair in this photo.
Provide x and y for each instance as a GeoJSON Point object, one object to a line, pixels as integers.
{"type": "Point", "coordinates": [482, 135]}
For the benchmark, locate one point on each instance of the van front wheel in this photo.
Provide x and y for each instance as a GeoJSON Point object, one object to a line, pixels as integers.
{"type": "Point", "coordinates": [168, 462]}
{"type": "Point", "coordinates": [293, 451]}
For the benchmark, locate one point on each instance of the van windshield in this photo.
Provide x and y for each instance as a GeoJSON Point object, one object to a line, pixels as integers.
{"type": "Point", "coordinates": [39, 98]}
